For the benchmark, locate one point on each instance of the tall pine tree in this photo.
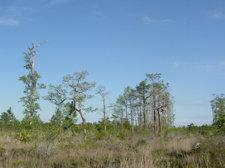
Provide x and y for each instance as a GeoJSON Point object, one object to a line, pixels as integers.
{"type": "Point", "coordinates": [31, 86]}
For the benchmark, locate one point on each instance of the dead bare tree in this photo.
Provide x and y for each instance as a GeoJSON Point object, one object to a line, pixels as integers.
{"type": "Point", "coordinates": [101, 90]}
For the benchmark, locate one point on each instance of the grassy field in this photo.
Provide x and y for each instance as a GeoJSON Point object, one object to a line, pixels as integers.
{"type": "Point", "coordinates": [68, 150]}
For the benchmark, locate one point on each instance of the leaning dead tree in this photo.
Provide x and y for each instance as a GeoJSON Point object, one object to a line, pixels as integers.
{"type": "Point", "coordinates": [78, 88]}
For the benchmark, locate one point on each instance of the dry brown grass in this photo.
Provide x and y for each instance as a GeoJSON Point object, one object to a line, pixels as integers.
{"type": "Point", "coordinates": [73, 152]}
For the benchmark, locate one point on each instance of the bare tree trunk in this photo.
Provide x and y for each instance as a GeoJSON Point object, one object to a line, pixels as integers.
{"type": "Point", "coordinates": [83, 119]}
{"type": "Point", "coordinates": [148, 115]}
{"type": "Point", "coordinates": [159, 117]}
{"type": "Point", "coordinates": [101, 91]}
{"type": "Point", "coordinates": [104, 113]}
{"type": "Point", "coordinates": [33, 86]}
{"type": "Point", "coordinates": [140, 118]}
{"type": "Point", "coordinates": [132, 117]}
{"type": "Point", "coordinates": [135, 117]}
{"type": "Point", "coordinates": [122, 119]}
{"type": "Point", "coordinates": [168, 113]}
{"type": "Point", "coordinates": [126, 110]}
{"type": "Point", "coordinates": [31, 119]}
{"type": "Point", "coordinates": [168, 118]}
{"type": "Point", "coordinates": [144, 114]}
{"type": "Point", "coordinates": [154, 107]}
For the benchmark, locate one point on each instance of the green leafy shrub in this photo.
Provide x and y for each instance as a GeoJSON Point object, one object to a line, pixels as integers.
{"type": "Point", "coordinates": [101, 134]}
{"type": "Point", "coordinates": [24, 136]}
{"type": "Point", "coordinates": [141, 142]}
{"type": "Point", "coordinates": [17, 162]}
{"type": "Point", "coordinates": [124, 134]}
{"type": "Point", "coordinates": [60, 146]}
{"type": "Point", "coordinates": [220, 124]}
{"type": "Point", "coordinates": [127, 124]}
{"type": "Point", "coordinates": [4, 133]}
{"type": "Point", "coordinates": [2, 151]}
{"type": "Point", "coordinates": [51, 135]}
{"type": "Point", "coordinates": [77, 128]}
{"type": "Point", "coordinates": [18, 151]}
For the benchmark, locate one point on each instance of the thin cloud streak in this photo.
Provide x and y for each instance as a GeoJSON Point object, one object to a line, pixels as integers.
{"type": "Point", "coordinates": [176, 64]}
{"type": "Point", "coordinates": [148, 19]}
{"type": "Point", "coordinates": [56, 2]}
{"type": "Point", "coordinates": [218, 68]}
{"type": "Point", "coordinates": [218, 15]}
{"type": "Point", "coordinates": [4, 21]}
{"type": "Point", "coordinates": [222, 63]}
{"type": "Point", "coordinates": [209, 67]}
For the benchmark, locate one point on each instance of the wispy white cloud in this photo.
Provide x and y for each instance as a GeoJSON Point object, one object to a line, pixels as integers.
{"type": "Point", "coordinates": [176, 64]}
{"type": "Point", "coordinates": [222, 63]}
{"type": "Point", "coordinates": [209, 67]}
{"type": "Point", "coordinates": [218, 68]}
{"type": "Point", "coordinates": [150, 20]}
{"type": "Point", "coordinates": [147, 19]}
{"type": "Point", "coordinates": [191, 103]}
{"type": "Point", "coordinates": [56, 2]}
{"type": "Point", "coordinates": [217, 15]}
{"type": "Point", "coordinates": [4, 21]}
{"type": "Point", "coordinates": [166, 20]}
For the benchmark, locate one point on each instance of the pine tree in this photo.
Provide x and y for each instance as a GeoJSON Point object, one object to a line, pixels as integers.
{"type": "Point", "coordinates": [77, 93]}
{"type": "Point", "coordinates": [31, 86]}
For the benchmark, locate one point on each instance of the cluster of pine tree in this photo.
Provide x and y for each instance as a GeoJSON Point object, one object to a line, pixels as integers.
{"type": "Point", "coordinates": [148, 106]}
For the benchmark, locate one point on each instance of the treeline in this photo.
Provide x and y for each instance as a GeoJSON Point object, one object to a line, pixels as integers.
{"type": "Point", "coordinates": [148, 106]}
{"type": "Point", "coordinates": [65, 119]}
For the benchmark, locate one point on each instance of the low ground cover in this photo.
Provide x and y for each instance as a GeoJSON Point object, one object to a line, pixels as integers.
{"type": "Point", "coordinates": [60, 149]}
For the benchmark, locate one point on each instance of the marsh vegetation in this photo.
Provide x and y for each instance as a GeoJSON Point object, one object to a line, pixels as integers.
{"type": "Point", "coordinates": [52, 148]}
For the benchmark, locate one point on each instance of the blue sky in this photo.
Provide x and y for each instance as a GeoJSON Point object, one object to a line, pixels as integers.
{"type": "Point", "coordinates": [117, 42]}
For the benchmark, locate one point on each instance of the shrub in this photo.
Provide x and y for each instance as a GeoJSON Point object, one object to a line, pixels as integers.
{"type": "Point", "coordinates": [17, 162]}
{"type": "Point", "coordinates": [220, 124]}
{"type": "Point", "coordinates": [124, 135]}
{"type": "Point", "coordinates": [24, 136]}
{"type": "Point", "coordinates": [2, 151]}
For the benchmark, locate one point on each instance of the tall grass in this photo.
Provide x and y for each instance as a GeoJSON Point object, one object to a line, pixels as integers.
{"type": "Point", "coordinates": [48, 150]}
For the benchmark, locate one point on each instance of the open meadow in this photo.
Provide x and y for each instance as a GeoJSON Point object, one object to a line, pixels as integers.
{"type": "Point", "coordinates": [107, 149]}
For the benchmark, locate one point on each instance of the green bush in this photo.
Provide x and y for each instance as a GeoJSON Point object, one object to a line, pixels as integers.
{"type": "Point", "coordinates": [24, 136]}
{"type": "Point", "coordinates": [141, 142]}
{"type": "Point", "coordinates": [101, 134]}
{"type": "Point", "coordinates": [220, 124]}
{"type": "Point", "coordinates": [51, 135]}
{"type": "Point", "coordinates": [2, 151]}
{"type": "Point", "coordinates": [127, 124]}
{"type": "Point", "coordinates": [77, 128]}
{"type": "Point", "coordinates": [17, 162]}
{"type": "Point", "coordinates": [124, 134]}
